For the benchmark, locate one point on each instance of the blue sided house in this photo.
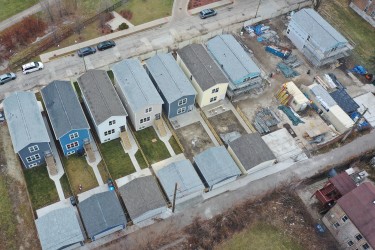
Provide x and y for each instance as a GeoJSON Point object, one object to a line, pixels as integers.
{"type": "Point", "coordinates": [27, 129]}
{"type": "Point", "coordinates": [68, 121]}
{"type": "Point", "coordinates": [171, 82]}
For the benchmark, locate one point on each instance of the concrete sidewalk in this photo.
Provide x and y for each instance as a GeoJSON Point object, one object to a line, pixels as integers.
{"type": "Point", "coordinates": [210, 6]}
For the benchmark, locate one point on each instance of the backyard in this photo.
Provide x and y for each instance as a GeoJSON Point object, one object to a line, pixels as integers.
{"type": "Point", "coordinates": [141, 161]}
{"type": "Point", "coordinates": [117, 161]}
{"type": "Point", "coordinates": [41, 188]}
{"type": "Point", "coordinates": [65, 186]}
{"type": "Point", "coordinates": [176, 148]}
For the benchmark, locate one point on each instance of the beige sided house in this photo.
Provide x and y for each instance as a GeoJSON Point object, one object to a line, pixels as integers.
{"type": "Point", "coordinates": [206, 76]}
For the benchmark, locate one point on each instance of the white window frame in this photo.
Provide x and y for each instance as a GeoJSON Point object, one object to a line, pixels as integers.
{"type": "Point", "coordinates": [344, 218]}
{"type": "Point", "coordinates": [33, 148]}
{"type": "Point", "coordinates": [181, 110]}
{"type": "Point", "coordinates": [32, 158]}
{"type": "Point", "coordinates": [350, 243]}
{"type": "Point", "coordinates": [72, 145]}
{"type": "Point", "coordinates": [113, 122]}
{"type": "Point", "coordinates": [363, 246]}
{"type": "Point", "coordinates": [33, 165]}
{"type": "Point", "coordinates": [213, 99]}
{"type": "Point", "coordinates": [360, 235]}
{"type": "Point", "coordinates": [215, 90]}
{"type": "Point", "coordinates": [71, 152]}
{"type": "Point", "coordinates": [182, 102]}
{"type": "Point", "coordinates": [74, 135]}
{"type": "Point", "coordinates": [336, 224]}
{"type": "Point", "coordinates": [148, 110]}
{"type": "Point", "coordinates": [144, 120]}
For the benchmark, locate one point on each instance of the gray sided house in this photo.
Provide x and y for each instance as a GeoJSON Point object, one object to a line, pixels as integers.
{"type": "Point", "coordinates": [102, 214]}
{"type": "Point", "coordinates": [27, 129]}
{"type": "Point", "coordinates": [137, 93]}
{"type": "Point", "coordinates": [143, 198]}
{"type": "Point", "coordinates": [68, 121]}
{"type": "Point", "coordinates": [316, 38]}
{"type": "Point", "coordinates": [216, 167]}
{"type": "Point", "coordinates": [103, 104]}
{"type": "Point", "coordinates": [251, 153]}
{"type": "Point", "coordinates": [59, 229]}
{"type": "Point", "coordinates": [244, 75]}
{"type": "Point", "coordinates": [176, 90]}
{"type": "Point", "coordinates": [206, 76]}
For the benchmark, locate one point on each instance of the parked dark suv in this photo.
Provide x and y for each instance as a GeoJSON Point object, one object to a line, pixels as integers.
{"type": "Point", "coordinates": [106, 45]}
{"type": "Point", "coordinates": [86, 51]}
{"type": "Point", "coordinates": [207, 13]}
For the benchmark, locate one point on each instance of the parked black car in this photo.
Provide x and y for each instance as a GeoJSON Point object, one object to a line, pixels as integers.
{"type": "Point", "coordinates": [207, 13]}
{"type": "Point", "coordinates": [73, 201]}
{"type": "Point", "coordinates": [86, 51]}
{"type": "Point", "coordinates": [106, 45]}
{"type": "Point", "coordinates": [7, 77]}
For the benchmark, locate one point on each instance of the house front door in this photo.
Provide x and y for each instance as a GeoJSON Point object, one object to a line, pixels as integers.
{"type": "Point", "coordinates": [122, 128]}
{"type": "Point", "coordinates": [157, 116]}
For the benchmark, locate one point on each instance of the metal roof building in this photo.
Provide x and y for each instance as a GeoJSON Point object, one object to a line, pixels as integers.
{"type": "Point", "coordinates": [102, 214]}
{"type": "Point", "coordinates": [63, 108]}
{"type": "Point", "coordinates": [344, 100]}
{"type": "Point", "coordinates": [24, 120]}
{"type": "Point", "coordinates": [367, 100]}
{"type": "Point", "coordinates": [143, 198]}
{"type": "Point", "coordinates": [182, 173]}
{"type": "Point", "coordinates": [216, 167]}
{"type": "Point", "coordinates": [322, 95]}
{"type": "Point", "coordinates": [59, 229]}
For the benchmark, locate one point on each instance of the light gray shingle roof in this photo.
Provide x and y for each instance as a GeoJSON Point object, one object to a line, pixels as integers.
{"type": "Point", "coordinates": [63, 108]}
{"type": "Point", "coordinates": [141, 195]}
{"type": "Point", "coordinates": [233, 58]}
{"type": "Point", "coordinates": [318, 28]}
{"type": "Point", "coordinates": [100, 95]}
{"type": "Point", "coordinates": [319, 91]}
{"type": "Point", "coordinates": [182, 173]}
{"type": "Point", "coordinates": [100, 212]}
{"type": "Point", "coordinates": [135, 84]}
{"type": "Point", "coordinates": [216, 165]}
{"type": "Point", "coordinates": [24, 120]}
{"type": "Point", "coordinates": [59, 228]}
{"type": "Point", "coordinates": [169, 77]}
{"type": "Point", "coordinates": [251, 150]}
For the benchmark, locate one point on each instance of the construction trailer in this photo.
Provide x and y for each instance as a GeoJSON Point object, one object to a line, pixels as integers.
{"type": "Point", "coordinates": [291, 95]}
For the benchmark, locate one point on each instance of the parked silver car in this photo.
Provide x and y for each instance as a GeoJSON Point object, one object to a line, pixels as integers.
{"type": "Point", "coordinates": [7, 77]}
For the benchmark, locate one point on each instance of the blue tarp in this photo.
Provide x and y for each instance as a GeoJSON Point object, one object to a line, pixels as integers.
{"type": "Point", "coordinates": [288, 111]}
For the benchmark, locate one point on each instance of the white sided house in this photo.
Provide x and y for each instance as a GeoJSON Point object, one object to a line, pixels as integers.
{"type": "Point", "coordinates": [103, 104]}
{"type": "Point", "coordinates": [137, 93]}
{"type": "Point", "coordinates": [204, 73]}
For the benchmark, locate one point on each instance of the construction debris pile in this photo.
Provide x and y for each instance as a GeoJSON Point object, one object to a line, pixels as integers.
{"type": "Point", "coordinates": [263, 33]}
{"type": "Point", "coordinates": [264, 119]}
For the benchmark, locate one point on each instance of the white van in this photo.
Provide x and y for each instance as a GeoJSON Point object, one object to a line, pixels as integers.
{"type": "Point", "coordinates": [31, 67]}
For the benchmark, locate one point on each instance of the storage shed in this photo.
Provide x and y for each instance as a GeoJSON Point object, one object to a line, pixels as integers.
{"type": "Point", "coordinates": [339, 119]}
{"type": "Point", "coordinates": [293, 96]}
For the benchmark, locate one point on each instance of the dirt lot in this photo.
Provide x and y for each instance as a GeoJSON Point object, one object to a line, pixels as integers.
{"type": "Point", "coordinates": [226, 122]}
{"type": "Point", "coordinates": [194, 139]}
{"type": "Point", "coordinates": [16, 218]}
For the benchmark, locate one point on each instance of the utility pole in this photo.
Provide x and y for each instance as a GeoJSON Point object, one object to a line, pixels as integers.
{"type": "Point", "coordinates": [174, 198]}
{"type": "Point", "coordinates": [355, 125]}
{"type": "Point", "coordinates": [256, 13]}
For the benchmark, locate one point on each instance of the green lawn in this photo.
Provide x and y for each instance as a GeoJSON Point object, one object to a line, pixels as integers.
{"type": "Point", "coordinates": [176, 148]}
{"type": "Point", "coordinates": [118, 162]}
{"type": "Point", "coordinates": [78, 90]}
{"type": "Point", "coordinates": [260, 236]}
{"type": "Point", "coordinates": [147, 10]}
{"type": "Point", "coordinates": [141, 161]}
{"type": "Point", "coordinates": [65, 186]}
{"type": "Point", "coordinates": [79, 172]}
{"type": "Point", "coordinates": [11, 7]}
{"type": "Point", "coordinates": [154, 151]}
{"type": "Point", "coordinates": [8, 221]}
{"type": "Point", "coordinates": [352, 26]}
{"type": "Point", "coordinates": [41, 188]}
{"type": "Point", "coordinates": [111, 76]}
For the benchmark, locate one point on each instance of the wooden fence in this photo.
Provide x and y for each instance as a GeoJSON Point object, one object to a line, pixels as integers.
{"type": "Point", "coordinates": [211, 127]}
{"type": "Point", "coordinates": [169, 125]}
{"type": "Point", "coordinates": [245, 119]}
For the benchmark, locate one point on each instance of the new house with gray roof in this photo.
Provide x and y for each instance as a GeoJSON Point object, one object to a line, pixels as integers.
{"type": "Point", "coordinates": [137, 93]}
{"type": "Point", "coordinates": [316, 38]}
{"type": "Point", "coordinates": [102, 214]}
{"type": "Point", "coordinates": [243, 73]}
{"type": "Point", "coordinates": [204, 73]}
{"type": "Point", "coordinates": [251, 153]}
{"type": "Point", "coordinates": [175, 89]}
{"type": "Point", "coordinates": [65, 113]}
{"type": "Point", "coordinates": [27, 129]}
{"type": "Point", "coordinates": [143, 198]}
{"type": "Point", "coordinates": [216, 167]}
{"type": "Point", "coordinates": [59, 229]}
{"type": "Point", "coordinates": [103, 104]}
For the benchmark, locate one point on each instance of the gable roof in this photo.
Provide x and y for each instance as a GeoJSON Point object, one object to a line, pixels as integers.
{"type": "Point", "coordinates": [63, 108]}
{"type": "Point", "coordinates": [100, 212]}
{"type": "Point", "coordinates": [228, 53]}
{"type": "Point", "coordinates": [322, 95]}
{"type": "Point", "coordinates": [100, 95]}
{"type": "Point", "coordinates": [169, 77]}
{"type": "Point", "coordinates": [344, 100]}
{"type": "Point", "coordinates": [343, 183]}
{"type": "Point", "coordinates": [182, 173]}
{"type": "Point", "coordinates": [24, 120]}
{"type": "Point", "coordinates": [319, 29]}
{"type": "Point", "coordinates": [201, 65]}
{"type": "Point", "coordinates": [135, 84]}
{"type": "Point", "coordinates": [216, 165]}
{"type": "Point", "coordinates": [359, 206]}
{"type": "Point", "coordinates": [251, 150]}
{"type": "Point", "coordinates": [141, 195]}
{"type": "Point", "coordinates": [59, 228]}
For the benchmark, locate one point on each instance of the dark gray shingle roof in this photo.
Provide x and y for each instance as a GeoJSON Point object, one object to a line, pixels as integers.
{"type": "Point", "coordinates": [100, 212]}
{"type": "Point", "coordinates": [202, 66]}
{"type": "Point", "coordinates": [24, 120]}
{"type": "Point", "coordinates": [100, 95]}
{"type": "Point", "coordinates": [251, 150]}
{"type": "Point", "coordinates": [344, 100]}
{"type": "Point", "coordinates": [63, 108]}
{"type": "Point", "coordinates": [142, 195]}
